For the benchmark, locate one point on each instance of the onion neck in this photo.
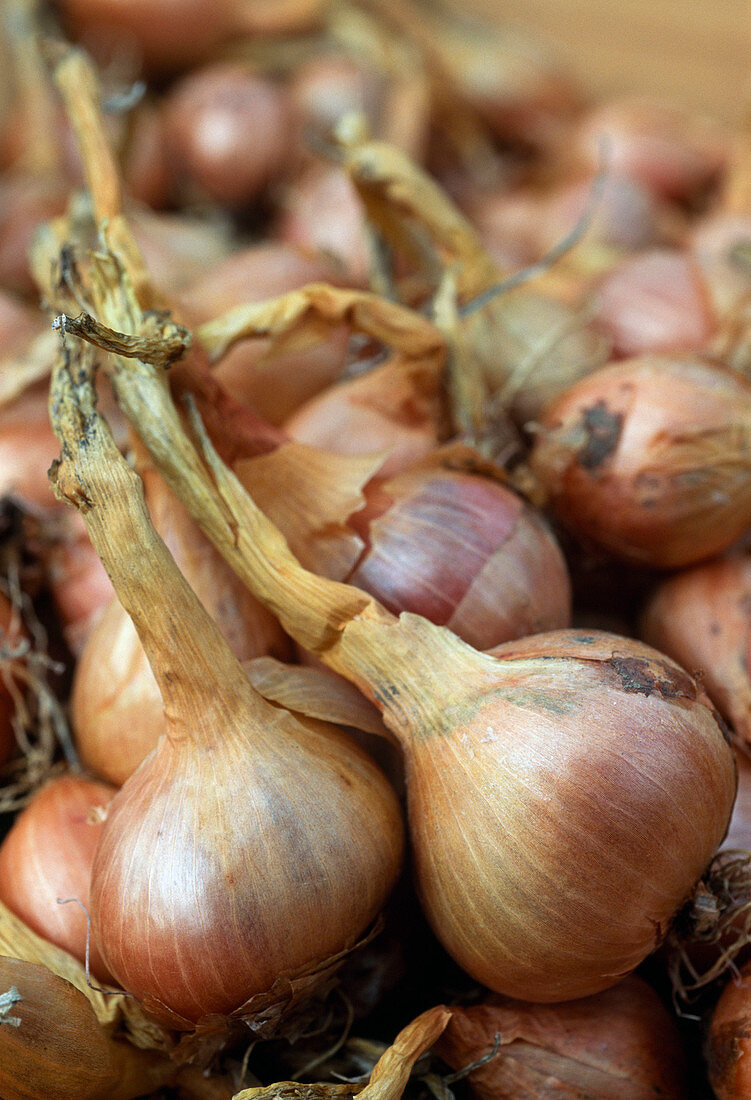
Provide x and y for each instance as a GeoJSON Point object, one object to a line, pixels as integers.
{"type": "Point", "coordinates": [186, 651]}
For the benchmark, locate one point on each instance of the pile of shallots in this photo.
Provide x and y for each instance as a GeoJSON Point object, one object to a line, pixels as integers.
{"type": "Point", "coordinates": [375, 586]}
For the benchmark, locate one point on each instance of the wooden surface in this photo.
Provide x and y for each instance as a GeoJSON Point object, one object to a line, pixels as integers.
{"type": "Point", "coordinates": [694, 52]}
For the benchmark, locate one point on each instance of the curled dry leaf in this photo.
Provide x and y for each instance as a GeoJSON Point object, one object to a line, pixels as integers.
{"type": "Point", "coordinates": [390, 1074]}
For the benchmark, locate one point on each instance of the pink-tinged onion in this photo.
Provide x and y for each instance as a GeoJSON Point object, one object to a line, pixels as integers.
{"type": "Point", "coordinates": [252, 274]}
{"type": "Point", "coordinates": [621, 1044]}
{"type": "Point", "coordinates": [656, 301]}
{"type": "Point", "coordinates": [164, 34]}
{"type": "Point", "coordinates": [701, 618]}
{"type": "Point", "coordinates": [26, 202]}
{"type": "Point", "coordinates": [148, 172]}
{"type": "Point", "coordinates": [650, 458]}
{"type": "Point", "coordinates": [27, 447]}
{"type": "Point", "coordinates": [465, 552]}
{"type": "Point", "coordinates": [325, 88]}
{"type": "Point", "coordinates": [528, 224]}
{"type": "Point", "coordinates": [674, 152]}
{"type": "Point", "coordinates": [388, 410]}
{"type": "Point", "coordinates": [226, 130]}
{"type": "Point", "coordinates": [321, 212]}
{"type": "Point", "coordinates": [48, 854]}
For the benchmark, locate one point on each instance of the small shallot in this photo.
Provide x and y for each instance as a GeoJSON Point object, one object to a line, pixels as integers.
{"type": "Point", "coordinates": [621, 1044]}
{"type": "Point", "coordinates": [46, 859]}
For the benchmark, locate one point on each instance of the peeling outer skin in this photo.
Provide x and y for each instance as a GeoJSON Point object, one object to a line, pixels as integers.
{"type": "Point", "coordinates": [279, 1012]}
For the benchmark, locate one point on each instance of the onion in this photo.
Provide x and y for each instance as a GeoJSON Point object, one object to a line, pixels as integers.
{"type": "Point", "coordinates": [275, 384]}
{"type": "Point", "coordinates": [547, 784]}
{"type": "Point", "coordinates": [465, 552]}
{"type": "Point", "coordinates": [727, 1050]}
{"type": "Point", "coordinates": [225, 129]}
{"type": "Point", "coordinates": [147, 170]}
{"type": "Point", "coordinates": [621, 1044]}
{"type": "Point", "coordinates": [166, 34]}
{"type": "Point", "coordinates": [649, 458]}
{"type": "Point", "coordinates": [51, 1044]}
{"type": "Point", "coordinates": [250, 820]}
{"type": "Point", "coordinates": [564, 797]}
{"type": "Point", "coordinates": [80, 587]}
{"type": "Point", "coordinates": [656, 301]}
{"type": "Point", "coordinates": [702, 619]}
{"type": "Point", "coordinates": [47, 856]}
{"type": "Point", "coordinates": [673, 152]}
{"type": "Point", "coordinates": [526, 224]}
{"type": "Point", "coordinates": [116, 706]}
{"type": "Point", "coordinates": [321, 212]}
{"type": "Point", "coordinates": [325, 88]}
{"type": "Point", "coordinates": [26, 201]}
{"type": "Point", "coordinates": [252, 274]}
{"type": "Point", "coordinates": [386, 410]}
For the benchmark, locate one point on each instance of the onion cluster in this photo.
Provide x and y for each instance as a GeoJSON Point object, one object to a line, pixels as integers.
{"type": "Point", "coordinates": [308, 409]}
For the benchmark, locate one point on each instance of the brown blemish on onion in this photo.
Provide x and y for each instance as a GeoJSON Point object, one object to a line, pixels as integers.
{"type": "Point", "coordinates": [641, 676]}
{"type": "Point", "coordinates": [603, 429]}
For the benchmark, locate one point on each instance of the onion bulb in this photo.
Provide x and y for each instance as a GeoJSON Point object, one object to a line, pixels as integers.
{"type": "Point", "coordinates": [51, 1044]}
{"type": "Point", "coordinates": [655, 301]}
{"type": "Point", "coordinates": [650, 459]}
{"type": "Point", "coordinates": [675, 153]}
{"type": "Point", "coordinates": [701, 618]}
{"type": "Point", "coordinates": [621, 1044]}
{"type": "Point", "coordinates": [225, 130]}
{"type": "Point", "coordinates": [245, 819]}
{"type": "Point", "coordinates": [47, 856]}
{"type": "Point", "coordinates": [465, 552]}
{"type": "Point", "coordinates": [727, 1050]}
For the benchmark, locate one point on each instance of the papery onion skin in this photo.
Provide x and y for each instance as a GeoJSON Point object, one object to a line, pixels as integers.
{"type": "Point", "coordinates": [47, 855]}
{"type": "Point", "coordinates": [537, 855]}
{"type": "Point", "coordinates": [383, 410]}
{"type": "Point", "coordinates": [651, 459]}
{"type": "Point", "coordinates": [60, 1049]}
{"type": "Point", "coordinates": [621, 1044]}
{"type": "Point", "coordinates": [464, 551]}
{"type": "Point", "coordinates": [701, 618]}
{"type": "Point", "coordinates": [727, 1053]}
